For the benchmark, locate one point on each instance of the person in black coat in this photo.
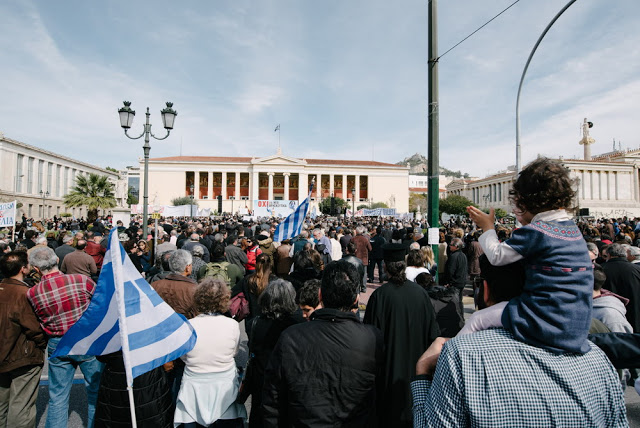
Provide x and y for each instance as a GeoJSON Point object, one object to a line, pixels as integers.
{"type": "Point", "coordinates": [151, 394]}
{"type": "Point", "coordinates": [445, 303]}
{"type": "Point", "coordinates": [456, 269]}
{"type": "Point", "coordinates": [325, 372]}
{"type": "Point", "coordinates": [623, 278]}
{"type": "Point", "coordinates": [350, 257]}
{"type": "Point", "coordinates": [278, 307]}
{"type": "Point", "coordinates": [375, 255]}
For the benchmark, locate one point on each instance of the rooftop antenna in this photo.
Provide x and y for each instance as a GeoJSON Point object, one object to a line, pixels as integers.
{"type": "Point", "coordinates": [614, 144]}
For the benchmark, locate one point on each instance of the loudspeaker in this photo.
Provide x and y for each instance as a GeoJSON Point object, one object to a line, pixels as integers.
{"type": "Point", "coordinates": [219, 204]}
{"type": "Point", "coordinates": [583, 212]}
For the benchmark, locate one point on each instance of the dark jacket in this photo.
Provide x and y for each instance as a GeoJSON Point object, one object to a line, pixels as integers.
{"type": "Point", "coordinates": [456, 269]}
{"type": "Point", "coordinates": [151, 393]}
{"type": "Point", "coordinates": [623, 278]}
{"type": "Point", "coordinates": [376, 247]}
{"type": "Point", "coordinates": [23, 340]}
{"type": "Point", "coordinates": [445, 301]}
{"type": "Point", "coordinates": [324, 373]}
{"type": "Point", "coordinates": [265, 333]}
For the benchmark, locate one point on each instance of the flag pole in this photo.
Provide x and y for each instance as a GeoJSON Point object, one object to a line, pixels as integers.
{"type": "Point", "coordinates": [124, 334]}
{"type": "Point", "coordinates": [15, 213]}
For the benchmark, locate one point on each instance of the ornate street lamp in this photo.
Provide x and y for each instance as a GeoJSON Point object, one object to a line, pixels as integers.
{"type": "Point", "coordinates": [126, 120]}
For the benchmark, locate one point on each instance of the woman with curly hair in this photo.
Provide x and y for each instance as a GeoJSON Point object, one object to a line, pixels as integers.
{"type": "Point", "coordinates": [210, 384]}
{"type": "Point", "coordinates": [554, 310]}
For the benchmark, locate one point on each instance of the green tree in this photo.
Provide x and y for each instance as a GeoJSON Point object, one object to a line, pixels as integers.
{"type": "Point", "coordinates": [454, 204]}
{"type": "Point", "coordinates": [418, 200]}
{"type": "Point", "coordinates": [93, 191]}
{"type": "Point", "coordinates": [500, 213]}
{"type": "Point", "coordinates": [183, 200]}
{"type": "Point", "coordinates": [379, 205]}
{"type": "Point", "coordinates": [325, 205]}
{"type": "Point", "coordinates": [132, 197]}
{"type": "Point", "coordinates": [112, 170]}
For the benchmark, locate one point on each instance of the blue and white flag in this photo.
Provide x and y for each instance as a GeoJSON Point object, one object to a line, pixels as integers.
{"type": "Point", "coordinates": [292, 225]}
{"type": "Point", "coordinates": [127, 314]}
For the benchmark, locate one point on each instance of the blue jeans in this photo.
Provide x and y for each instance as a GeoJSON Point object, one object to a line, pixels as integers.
{"type": "Point", "coordinates": [61, 371]}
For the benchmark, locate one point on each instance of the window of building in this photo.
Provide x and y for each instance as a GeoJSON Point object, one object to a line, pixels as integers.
{"type": "Point", "coordinates": [30, 175]}
{"type": "Point", "coordinates": [49, 177]}
{"type": "Point", "coordinates": [19, 174]}
{"type": "Point", "coordinates": [58, 178]}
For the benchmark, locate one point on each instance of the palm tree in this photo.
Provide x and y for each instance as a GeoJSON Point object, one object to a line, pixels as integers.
{"type": "Point", "coordinates": [94, 191]}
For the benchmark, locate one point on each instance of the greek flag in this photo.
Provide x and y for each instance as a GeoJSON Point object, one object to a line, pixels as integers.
{"type": "Point", "coordinates": [292, 225]}
{"type": "Point", "coordinates": [127, 314]}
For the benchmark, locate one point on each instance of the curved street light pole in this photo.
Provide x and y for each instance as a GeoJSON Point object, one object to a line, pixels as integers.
{"type": "Point", "coordinates": [126, 120]}
{"type": "Point", "coordinates": [524, 72]}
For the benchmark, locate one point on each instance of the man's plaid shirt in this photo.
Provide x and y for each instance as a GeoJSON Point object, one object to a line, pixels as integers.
{"type": "Point", "coordinates": [490, 379]}
{"type": "Point", "coordinates": [59, 300]}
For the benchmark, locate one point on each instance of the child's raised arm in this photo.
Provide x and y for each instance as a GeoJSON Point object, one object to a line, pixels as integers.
{"type": "Point", "coordinates": [483, 220]}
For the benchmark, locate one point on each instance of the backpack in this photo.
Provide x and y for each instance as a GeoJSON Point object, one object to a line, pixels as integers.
{"type": "Point", "coordinates": [219, 270]}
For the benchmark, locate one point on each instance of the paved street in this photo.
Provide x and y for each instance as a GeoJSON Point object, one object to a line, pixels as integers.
{"type": "Point", "coordinates": [78, 401]}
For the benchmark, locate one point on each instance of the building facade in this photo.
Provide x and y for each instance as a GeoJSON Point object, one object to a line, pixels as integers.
{"type": "Point", "coordinates": [242, 180]}
{"type": "Point", "coordinates": [608, 185]}
{"type": "Point", "coordinates": [39, 179]}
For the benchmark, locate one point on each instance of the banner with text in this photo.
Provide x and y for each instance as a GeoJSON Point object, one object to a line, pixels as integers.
{"type": "Point", "coordinates": [266, 208]}
{"type": "Point", "coordinates": [8, 214]}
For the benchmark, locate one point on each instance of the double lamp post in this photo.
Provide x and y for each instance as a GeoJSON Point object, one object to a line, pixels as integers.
{"type": "Point", "coordinates": [126, 120]}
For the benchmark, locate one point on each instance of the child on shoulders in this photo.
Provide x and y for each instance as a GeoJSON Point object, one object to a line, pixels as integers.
{"type": "Point", "coordinates": [554, 310]}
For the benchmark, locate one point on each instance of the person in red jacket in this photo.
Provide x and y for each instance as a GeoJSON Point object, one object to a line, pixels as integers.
{"type": "Point", "coordinates": [253, 250]}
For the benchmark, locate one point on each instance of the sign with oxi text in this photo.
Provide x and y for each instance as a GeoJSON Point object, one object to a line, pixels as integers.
{"type": "Point", "coordinates": [8, 214]}
{"type": "Point", "coordinates": [265, 208]}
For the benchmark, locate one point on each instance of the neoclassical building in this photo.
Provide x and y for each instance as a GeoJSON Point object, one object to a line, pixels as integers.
{"type": "Point", "coordinates": [39, 178]}
{"type": "Point", "coordinates": [608, 185]}
{"type": "Point", "coordinates": [243, 180]}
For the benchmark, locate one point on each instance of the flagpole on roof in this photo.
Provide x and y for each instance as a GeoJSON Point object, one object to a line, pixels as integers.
{"type": "Point", "coordinates": [278, 130]}
{"type": "Point", "coordinates": [124, 333]}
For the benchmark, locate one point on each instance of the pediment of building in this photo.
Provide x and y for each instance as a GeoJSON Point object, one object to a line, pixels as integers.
{"type": "Point", "coordinates": [278, 160]}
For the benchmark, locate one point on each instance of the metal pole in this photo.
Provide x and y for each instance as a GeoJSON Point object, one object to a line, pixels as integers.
{"type": "Point", "coordinates": [524, 72]}
{"type": "Point", "coordinates": [145, 197]}
{"type": "Point", "coordinates": [155, 240]}
{"type": "Point", "coordinates": [433, 153]}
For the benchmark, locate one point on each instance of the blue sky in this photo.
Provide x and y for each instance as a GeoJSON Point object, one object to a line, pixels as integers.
{"type": "Point", "coordinates": [344, 78]}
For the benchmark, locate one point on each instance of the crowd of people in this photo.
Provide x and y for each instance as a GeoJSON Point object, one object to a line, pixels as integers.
{"type": "Point", "coordinates": [523, 358]}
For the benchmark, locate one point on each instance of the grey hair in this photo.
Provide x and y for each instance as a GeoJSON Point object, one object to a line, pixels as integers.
{"type": "Point", "coordinates": [179, 260]}
{"type": "Point", "coordinates": [635, 252]}
{"type": "Point", "coordinates": [593, 248]}
{"type": "Point", "coordinates": [44, 258]}
{"type": "Point", "coordinates": [616, 250]}
{"type": "Point", "coordinates": [414, 246]}
{"type": "Point", "coordinates": [278, 300]}
{"type": "Point", "coordinates": [41, 240]}
{"type": "Point", "coordinates": [457, 242]}
{"type": "Point", "coordinates": [360, 230]}
{"type": "Point", "coordinates": [66, 239]}
{"type": "Point", "coordinates": [194, 237]}
{"type": "Point", "coordinates": [218, 237]}
{"type": "Point", "coordinates": [317, 230]}
{"type": "Point", "coordinates": [197, 250]}
{"type": "Point", "coordinates": [304, 234]}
